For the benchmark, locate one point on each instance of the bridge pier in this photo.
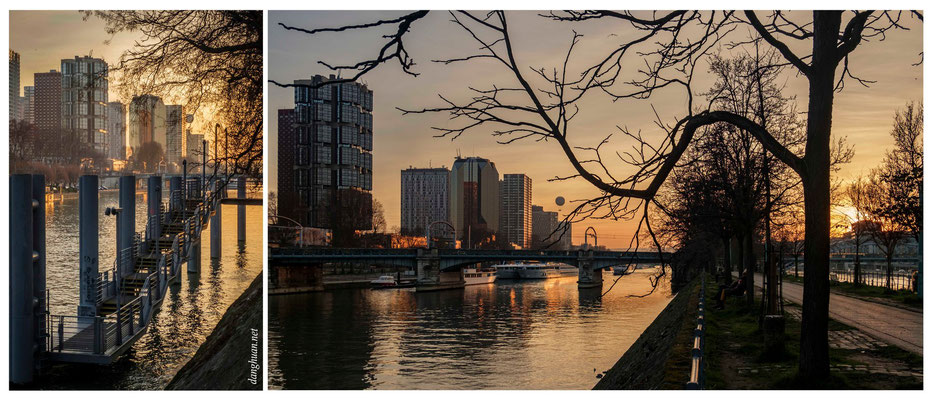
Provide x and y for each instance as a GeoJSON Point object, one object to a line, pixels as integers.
{"type": "Point", "coordinates": [588, 277]}
{"type": "Point", "coordinates": [27, 275]}
{"type": "Point", "coordinates": [88, 250]}
{"type": "Point", "coordinates": [241, 210]}
{"type": "Point", "coordinates": [216, 231]}
{"type": "Point", "coordinates": [297, 278]}
{"type": "Point", "coordinates": [430, 276]}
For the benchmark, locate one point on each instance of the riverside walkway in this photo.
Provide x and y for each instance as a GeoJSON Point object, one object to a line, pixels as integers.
{"type": "Point", "coordinates": [892, 325]}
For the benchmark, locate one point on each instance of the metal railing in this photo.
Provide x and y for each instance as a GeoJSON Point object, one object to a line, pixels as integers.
{"type": "Point", "coordinates": [697, 374]}
{"type": "Point", "coordinates": [101, 335]}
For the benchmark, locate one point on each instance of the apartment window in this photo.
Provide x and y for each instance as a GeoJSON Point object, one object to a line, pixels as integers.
{"type": "Point", "coordinates": [303, 112]}
{"type": "Point", "coordinates": [304, 155]}
{"type": "Point", "coordinates": [303, 134]}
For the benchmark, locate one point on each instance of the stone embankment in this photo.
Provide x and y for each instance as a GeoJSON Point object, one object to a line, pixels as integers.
{"type": "Point", "coordinates": [644, 365]}
{"type": "Point", "coordinates": [231, 357]}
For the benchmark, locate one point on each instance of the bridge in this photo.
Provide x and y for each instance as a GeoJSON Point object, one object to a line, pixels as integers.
{"type": "Point", "coordinates": [442, 268]}
{"type": "Point", "coordinates": [116, 304]}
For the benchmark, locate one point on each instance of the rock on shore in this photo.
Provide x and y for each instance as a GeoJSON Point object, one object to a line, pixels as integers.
{"type": "Point", "coordinates": [231, 357]}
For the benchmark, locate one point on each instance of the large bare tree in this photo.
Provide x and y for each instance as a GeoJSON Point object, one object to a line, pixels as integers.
{"type": "Point", "coordinates": [207, 60]}
{"type": "Point", "coordinates": [540, 104]}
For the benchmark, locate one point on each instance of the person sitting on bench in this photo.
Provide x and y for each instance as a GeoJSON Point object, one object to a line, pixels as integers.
{"type": "Point", "coordinates": [737, 288]}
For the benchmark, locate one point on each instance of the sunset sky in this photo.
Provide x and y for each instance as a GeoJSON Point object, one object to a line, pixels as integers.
{"type": "Point", "coordinates": [44, 38]}
{"type": "Point", "coordinates": [861, 114]}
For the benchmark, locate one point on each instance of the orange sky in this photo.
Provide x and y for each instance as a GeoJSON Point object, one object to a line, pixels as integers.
{"type": "Point", "coordinates": [863, 115]}
{"type": "Point", "coordinates": [44, 38]}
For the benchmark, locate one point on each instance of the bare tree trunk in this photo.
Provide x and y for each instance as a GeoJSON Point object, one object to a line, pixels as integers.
{"type": "Point", "coordinates": [814, 341]}
{"type": "Point", "coordinates": [889, 270]}
{"type": "Point", "coordinates": [750, 269]}
{"type": "Point", "coordinates": [857, 279]}
{"type": "Point", "coordinates": [727, 260]}
{"type": "Point", "coordinates": [796, 262]}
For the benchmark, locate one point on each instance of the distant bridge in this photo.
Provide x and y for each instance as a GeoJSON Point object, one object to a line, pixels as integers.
{"type": "Point", "coordinates": [451, 259]}
{"type": "Point", "coordinates": [441, 268]}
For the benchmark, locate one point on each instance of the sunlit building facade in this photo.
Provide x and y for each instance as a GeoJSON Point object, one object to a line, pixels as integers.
{"type": "Point", "coordinates": [175, 138]}
{"type": "Point", "coordinates": [424, 198]}
{"type": "Point", "coordinates": [333, 154]}
{"type": "Point", "coordinates": [48, 109]}
{"type": "Point", "coordinates": [474, 196]}
{"type": "Point", "coordinates": [14, 81]}
{"type": "Point", "coordinates": [116, 128]}
{"type": "Point", "coordinates": [515, 209]}
{"type": "Point", "coordinates": [146, 120]}
{"type": "Point", "coordinates": [85, 92]}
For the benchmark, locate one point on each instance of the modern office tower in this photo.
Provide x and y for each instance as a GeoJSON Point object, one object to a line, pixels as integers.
{"type": "Point", "coordinates": [48, 110]}
{"type": "Point", "coordinates": [424, 198]}
{"type": "Point", "coordinates": [29, 95]}
{"type": "Point", "coordinates": [474, 196]}
{"type": "Point", "coordinates": [287, 196]}
{"type": "Point", "coordinates": [14, 81]}
{"type": "Point", "coordinates": [146, 122]}
{"type": "Point", "coordinates": [175, 140]}
{"type": "Point", "coordinates": [515, 209]}
{"type": "Point", "coordinates": [548, 223]}
{"type": "Point", "coordinates": [333, 155]}
{"type": "Point", "coordinates": [116, 128]}
{"type": "Point", "coordinates": [195, 150]}
{"type": "Point", "coordinates": [85, 91]}
{"type": "Point", "coordinates": [19, 109]}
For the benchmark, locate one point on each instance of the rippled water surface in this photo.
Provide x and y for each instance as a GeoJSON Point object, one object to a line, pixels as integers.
{"type": "Point", "coordinates": [507, 335]}
{"type": "Point", "coordinates": [189, 313]}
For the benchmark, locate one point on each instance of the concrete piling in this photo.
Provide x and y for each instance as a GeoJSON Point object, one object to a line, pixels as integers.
{"type": "Point", "coordinates": [88, 231]}
{"type": "Point", "coordinates": [154, 202]}
{"type": "Point", "coordinates": [126, 222]}
{"type": "Point", "coordinates": [38, 241]}
{"type": "Point", "coordinates": [241, 210]}
{"type": "Point", "coordinates": [22, 318]}
{"type": "Point", "coordinates": [216, 231]}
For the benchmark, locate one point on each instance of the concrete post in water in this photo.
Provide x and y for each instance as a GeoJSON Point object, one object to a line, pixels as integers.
{"type": "Point", "coordinates": [216, 231]}
{"type": "Point", "coordinates": [88, 231]}
{"type": "Point", "coordinates": [22, 322]}
{"type": "Point", "coordinates": [175, 193]}
{"type": "Point", "coordinates": [38, 242]}
{"type": "Point", "coordinates": [194, 254]}
{"type": "Point", "coordinates": [588, 277]}
{"type": "Point", "coordinates": [126, 221]}
{"type": "Point", "coordinates": [241, 210]}
{"type": "Point", "coordinates": [154, 202]}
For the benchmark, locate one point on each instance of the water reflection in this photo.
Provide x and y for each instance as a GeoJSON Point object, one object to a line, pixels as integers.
{"type": "Point", "coordinates": [188, 314]}
{"type": "Point", "coordinates": [509, 335]}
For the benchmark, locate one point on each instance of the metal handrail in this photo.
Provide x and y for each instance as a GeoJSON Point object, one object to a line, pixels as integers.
{"type": "Point", "coordinates": [697, 374]}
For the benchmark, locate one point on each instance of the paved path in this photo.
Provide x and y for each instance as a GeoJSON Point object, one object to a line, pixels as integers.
{"type": "Point", "coordinates": [892, 325]}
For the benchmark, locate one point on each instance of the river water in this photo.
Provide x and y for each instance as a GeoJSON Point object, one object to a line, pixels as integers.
{"type": "Point", "coordinates": [543, 334]}
{"type": "Point", "coordinates": [186, 317]}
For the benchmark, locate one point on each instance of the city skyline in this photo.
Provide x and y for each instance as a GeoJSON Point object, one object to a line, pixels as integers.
{"type": "Point", "coordinates": [66, 35]}
{"type": "Point", "coordinates": [863, 115]}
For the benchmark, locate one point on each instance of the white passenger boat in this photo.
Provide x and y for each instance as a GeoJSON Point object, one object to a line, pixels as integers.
{"type": "Point", "coordinates": [472, 276]}
{"type": "Point", "coordinates": [384, 281]}
{"type": "Point", "coordinates": [507, 271]}
{"type": "Point", "coordinates": [546, 271]}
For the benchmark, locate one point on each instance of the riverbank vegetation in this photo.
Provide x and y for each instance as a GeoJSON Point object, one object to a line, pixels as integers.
{"type": "Point", "coordinates": [870, 293]}
{"type": "Point", "coordinates": [735, 355]}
